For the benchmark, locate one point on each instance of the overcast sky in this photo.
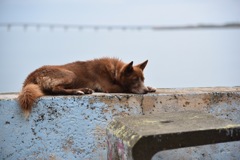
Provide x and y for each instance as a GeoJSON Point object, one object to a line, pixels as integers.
{"type": "Point", "coordinates": [120, 12]}
{"type": "Point", "coordinates": [177, 58]}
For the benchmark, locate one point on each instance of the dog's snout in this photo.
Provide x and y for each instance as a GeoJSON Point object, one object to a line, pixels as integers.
{"type": "Point", "coordinates": [142, 90]}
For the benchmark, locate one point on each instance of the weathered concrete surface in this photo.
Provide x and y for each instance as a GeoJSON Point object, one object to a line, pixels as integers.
{"type": "Point", "coordinates": [141, 137]}
{"type": "Point", "coordinates": [73, 127]}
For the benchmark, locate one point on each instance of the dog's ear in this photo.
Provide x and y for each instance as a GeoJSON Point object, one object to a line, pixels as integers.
{"type": "Point", "coordinates": [128, 68]}
{"type": "Point", "coordinates": [142, 65]}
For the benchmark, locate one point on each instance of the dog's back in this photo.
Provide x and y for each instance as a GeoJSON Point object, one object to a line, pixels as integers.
{"type": "Point", "coordinates": [97, 74]}
{"type": "Point", "coordinates": [83, 77]}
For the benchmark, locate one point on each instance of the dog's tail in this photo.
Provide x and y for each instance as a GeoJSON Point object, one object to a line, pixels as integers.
{"type": "Point", "coordinates": [27, 97]}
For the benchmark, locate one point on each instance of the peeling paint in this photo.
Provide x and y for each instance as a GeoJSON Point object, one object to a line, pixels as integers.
{"type": "Point", "coordinates": [73, 127]}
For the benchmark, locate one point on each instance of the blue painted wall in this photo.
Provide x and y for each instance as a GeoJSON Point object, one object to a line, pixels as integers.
{"type": "Point", "coordinates": [73, 127]}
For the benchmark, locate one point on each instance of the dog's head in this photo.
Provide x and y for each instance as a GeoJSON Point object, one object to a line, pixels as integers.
{"type": "Point", "coordinates": [132, 78]}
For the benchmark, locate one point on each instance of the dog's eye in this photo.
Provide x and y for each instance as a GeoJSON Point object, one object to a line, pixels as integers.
{"type": "Point", "coordinates": [135, 79]}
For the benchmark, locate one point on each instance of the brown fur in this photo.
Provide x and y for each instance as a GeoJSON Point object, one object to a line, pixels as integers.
{"type": "Point", "coordinates": [83, 77]}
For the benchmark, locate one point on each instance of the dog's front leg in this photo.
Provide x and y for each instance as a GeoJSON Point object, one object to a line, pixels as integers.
{"type": "Point", "coordinates": [113, 89]}
{"type": "Point", "coordinates": [63, 91]}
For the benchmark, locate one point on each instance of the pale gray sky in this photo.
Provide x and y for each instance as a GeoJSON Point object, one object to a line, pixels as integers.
{"type": "Point", "coordinates": [177, 58]}
{"type": "Point", "coordinates": [120, 12]}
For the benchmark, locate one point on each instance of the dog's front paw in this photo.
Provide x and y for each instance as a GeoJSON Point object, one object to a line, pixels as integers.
{"type": "Point", "coordinates": [87, 91]}
{"type": "Point", "coordinates": [82, 91]}
{"type": "Point", "coordinates": [151, 89]}
{"type": "Point", "coordinates": [78, 92]}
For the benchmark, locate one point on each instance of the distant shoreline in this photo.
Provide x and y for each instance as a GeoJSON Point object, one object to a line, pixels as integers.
{"type": "Point", "coordinates": [38, 26]}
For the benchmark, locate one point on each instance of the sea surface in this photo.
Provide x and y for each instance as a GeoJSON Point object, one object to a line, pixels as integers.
{"type": "Point", "coordinates": [177, 58]}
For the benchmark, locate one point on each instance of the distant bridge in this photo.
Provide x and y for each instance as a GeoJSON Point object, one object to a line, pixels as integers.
{"type": "Point", "coordinates": [51, 27]}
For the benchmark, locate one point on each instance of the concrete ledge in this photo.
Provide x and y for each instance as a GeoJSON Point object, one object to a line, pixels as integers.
{"type": "Point", "coordinates": [74, 127]}
{"type": "Point", "coordinates": [141, 137]}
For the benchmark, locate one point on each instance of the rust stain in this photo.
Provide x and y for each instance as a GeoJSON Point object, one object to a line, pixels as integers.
{"type": "Point", "coordinates": [99, 134]}
{"type": "Point", "coordinates": [216, 98]}
{"type": "Point", "coordinates": [148, 103]}
{"type": "Point", "coordinates": [67, 146]}
{"type": "Point", "coordinates": [53, 157]}
{"type": "Point", "coordinates": [99, 131]}
{"type": "Point", "coordinates": [134, 101]}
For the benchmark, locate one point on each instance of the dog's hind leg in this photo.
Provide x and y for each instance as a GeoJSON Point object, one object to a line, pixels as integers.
{"type": "Point", "coordinates": [57, 81]}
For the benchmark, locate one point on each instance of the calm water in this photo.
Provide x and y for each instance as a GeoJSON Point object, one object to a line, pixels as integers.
{"type": "Point", "coordinates": [183, 58]}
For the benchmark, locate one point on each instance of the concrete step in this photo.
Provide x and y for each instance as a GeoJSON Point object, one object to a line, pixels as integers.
{"type": "Point", "coordinates": [141, 137]}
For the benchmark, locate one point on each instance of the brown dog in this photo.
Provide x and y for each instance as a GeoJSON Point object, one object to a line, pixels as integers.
{"type": "Point", "coordinates": [83, 77]}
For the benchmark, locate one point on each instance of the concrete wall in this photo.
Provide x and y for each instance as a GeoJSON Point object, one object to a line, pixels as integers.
{"type": "Point", "coordinates": [73, 127]}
